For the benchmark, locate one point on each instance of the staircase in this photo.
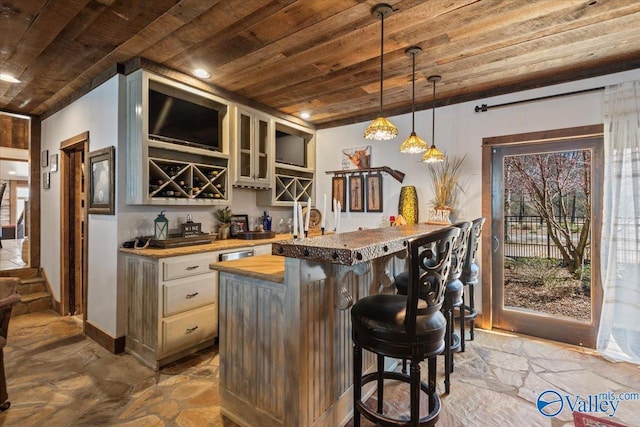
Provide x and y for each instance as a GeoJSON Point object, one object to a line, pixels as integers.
{"type": "Point", "coordinates": [32, 288]}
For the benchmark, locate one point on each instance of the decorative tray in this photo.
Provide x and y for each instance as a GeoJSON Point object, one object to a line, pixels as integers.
{"type": "Point", "coordinates": [178, 241]}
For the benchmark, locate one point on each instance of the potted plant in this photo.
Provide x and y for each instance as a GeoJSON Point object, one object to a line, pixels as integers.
{"type": "Point", "coordinates": [224, 216]}
{"type": "Point", "coordinates": [444, 182]}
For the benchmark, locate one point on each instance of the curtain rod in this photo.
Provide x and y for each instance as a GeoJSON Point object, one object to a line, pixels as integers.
{"type": "Point", "coordinates": [484, 107]}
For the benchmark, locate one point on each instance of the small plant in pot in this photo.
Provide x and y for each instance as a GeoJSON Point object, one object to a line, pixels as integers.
{"type": "Point", "coordinates": [223, 216]}
{"type": "Point", "coordinates": [444, 182]}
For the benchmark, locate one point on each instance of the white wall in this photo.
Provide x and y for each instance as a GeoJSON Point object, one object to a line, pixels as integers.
{"type": "Point", "coordinates": [459, 130]}
{"type": "Point", "coordinates": [99, 113]}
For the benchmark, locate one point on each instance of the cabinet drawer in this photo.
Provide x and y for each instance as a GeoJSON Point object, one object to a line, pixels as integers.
{"type": "Point", "coordinates": [188, 293]}
{"type": "Point", "coordinates": [182, 331]}
{"type": "Point", "coordinates": [185, 266]}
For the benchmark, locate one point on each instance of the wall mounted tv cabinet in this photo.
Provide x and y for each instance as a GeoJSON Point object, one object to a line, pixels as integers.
{"type": "Point", "coordinates": [177, 143]}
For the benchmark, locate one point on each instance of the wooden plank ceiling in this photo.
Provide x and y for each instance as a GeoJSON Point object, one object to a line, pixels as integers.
{"type": "Point", "coordinates": [319, 56]}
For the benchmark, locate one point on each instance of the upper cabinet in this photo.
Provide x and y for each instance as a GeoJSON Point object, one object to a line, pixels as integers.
{"type": "Point", "coordinates": [186, 146]}
{"type": "Point", "coordinates": [294, 166]}
{"type": "Point", "coordinates": [177, 143]}
{"type": "Point", "coordinates": [253, 149]}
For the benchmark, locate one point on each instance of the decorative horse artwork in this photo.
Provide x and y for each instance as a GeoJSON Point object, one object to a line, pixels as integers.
{"type": "Point", "coordinates": [357, 158]}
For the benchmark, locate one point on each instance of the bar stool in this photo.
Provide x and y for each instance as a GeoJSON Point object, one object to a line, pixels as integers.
{"type": "Point", "coordinates": [470, 275]}
{"type": "Point", "coordinates": [453, 298]}
{"type": "Point", "coordinates": [405, 327]}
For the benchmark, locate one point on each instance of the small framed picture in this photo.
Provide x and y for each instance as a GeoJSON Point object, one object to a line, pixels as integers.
{"type": "Point", "coordinates": [53, 163]}
{"type": "Point", "coordinates": [44, 158]}
{"type": "Point", "coordinates": [239, 224]}
{"type": "Point", "coordinates": [356, 193]}
{"type": "Point", "coordinates": [338, 184]}
{"type": "Point", "coordinates": [46, 180]}
{"type": "Point", "coordinates": [374, 192]}
{"type": "Point", "coordinates": [102, 181]}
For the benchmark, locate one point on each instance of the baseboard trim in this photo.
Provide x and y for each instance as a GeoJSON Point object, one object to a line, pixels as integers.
{"type": "Point", "coordinates": [113, 345]}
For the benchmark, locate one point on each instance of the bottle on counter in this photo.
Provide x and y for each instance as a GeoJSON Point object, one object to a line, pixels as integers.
{"type": "Point", "coordinates": [266, 221]}
{"type": "Point", "coordinates": [384, 222]}
{"type": "Point", "coordinates": [392, 220]}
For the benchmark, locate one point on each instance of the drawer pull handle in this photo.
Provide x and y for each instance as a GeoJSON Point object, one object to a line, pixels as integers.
{"type": "Point", "coordinates": [192, 267]}
{"type": "Point", "coordinates": [189, 330]}
{"type": "Point", "coordinates": [192, 295]}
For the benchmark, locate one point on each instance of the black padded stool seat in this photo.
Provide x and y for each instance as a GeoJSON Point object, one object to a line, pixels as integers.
{"type": "Point", "coordinates": [405, 327]}
{"type": "Point", "coordinates": [470, 275]}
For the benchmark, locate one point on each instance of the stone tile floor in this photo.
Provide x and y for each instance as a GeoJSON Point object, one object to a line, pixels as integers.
{"type": "Point", "coordinates": [11, 254]}
{"type": "Point", "coordinates": [58, 377]}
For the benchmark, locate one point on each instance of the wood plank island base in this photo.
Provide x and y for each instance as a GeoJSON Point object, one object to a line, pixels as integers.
{"type": "Point", "coordinates": [285, 327]}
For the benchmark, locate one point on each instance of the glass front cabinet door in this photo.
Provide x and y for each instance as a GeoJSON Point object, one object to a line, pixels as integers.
{"type": "Point", "coordinates": [254, 133]}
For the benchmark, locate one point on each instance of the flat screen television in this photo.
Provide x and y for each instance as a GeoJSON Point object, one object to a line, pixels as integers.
{"type": "Point", "coordinates": [291, 146]}
{"type": "Point", "coordinates": [183, 118]}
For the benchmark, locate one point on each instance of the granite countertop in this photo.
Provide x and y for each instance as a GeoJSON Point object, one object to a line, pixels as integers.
{"type": "Point", "coordinates": [263, 267]}
{"type": "Point", "coordinates": [352, 247]}
{"type": "Point", "coordinates": [215, 245]}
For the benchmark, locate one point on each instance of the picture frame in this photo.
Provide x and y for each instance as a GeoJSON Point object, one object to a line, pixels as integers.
{"type": "Point", "coordinates": [101, 181]}
{"type": "Point", "coordinates": [46, 180]}
{"type": "Point", "coordinates": [239, 224]}
{"type": "Point", "coordinates": [44, 158]}
{"type": "Point", "coordinates": [53, 161]}
{"type": "Point", "coordinates": [356, 193]}
{"type": "Point", "coordinates": [338, 187]}
{"type": "Point", "coordinates": [374, 192]}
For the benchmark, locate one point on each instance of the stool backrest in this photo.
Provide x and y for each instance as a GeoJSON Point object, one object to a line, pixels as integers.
{"type": "Point", "coordinates": [429, 264]}
{"type": "Point", "coordinates": [470, 269]}
{"type": "Point", "coordinates": [459, 250]}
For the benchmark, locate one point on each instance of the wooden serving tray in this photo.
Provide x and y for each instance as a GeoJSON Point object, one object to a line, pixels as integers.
{"type": "Point", "coordinates": [178, 241]}
{"type": "Point", "coordinates": [256, 235]}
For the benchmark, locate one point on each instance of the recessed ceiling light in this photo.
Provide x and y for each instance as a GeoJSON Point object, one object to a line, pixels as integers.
{"type": "Point", "coordinates": [8, 78]}
{"type": "Point", "coordinates": [202, 74]}
{"type": "Point", "coordinates": [305, 115]}
{"type": "Point", "coordinates": [12, 172]}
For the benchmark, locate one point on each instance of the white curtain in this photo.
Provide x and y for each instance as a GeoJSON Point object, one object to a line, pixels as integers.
{"type": "Point", "coordinates": [619, 334]}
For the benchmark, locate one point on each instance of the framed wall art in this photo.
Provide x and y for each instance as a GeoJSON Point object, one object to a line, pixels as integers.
{"type": "Point", "coordinates": [338, 187]}
{"type": "Point", "coordinates": [102, 181]}
{"type": "Point", "coordinates": [53, 163]}
{"type": "Point", "coordinates": [356, 193]}
{"type": "Point", "coordinates": [44, 158]}
{"type": "Point", "coordinates": [374, 192]}
{"type": "Point", "coordinates": [239, 224]}
{"type": "Point", "coordinates": [46, 180]}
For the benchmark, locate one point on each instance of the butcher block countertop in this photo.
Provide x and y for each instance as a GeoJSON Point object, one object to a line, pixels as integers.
{"type": "Point", "coordinates": [216, 245]}
{"type": "Point", "coordinates": [263, 267]}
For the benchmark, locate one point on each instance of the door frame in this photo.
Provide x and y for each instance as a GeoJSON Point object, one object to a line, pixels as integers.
{"type": "Point", "coordinates": [486, 319]}
{"type": "Point", "coordinates": [77, 143]}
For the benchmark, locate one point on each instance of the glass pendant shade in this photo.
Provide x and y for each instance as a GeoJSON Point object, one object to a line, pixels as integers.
{"type": "Point", "coordinates": [413, 145]}
{"type": "Point", "coordinates": [433, 155]}
{"type": "Point", "coordinates": [381, 128]}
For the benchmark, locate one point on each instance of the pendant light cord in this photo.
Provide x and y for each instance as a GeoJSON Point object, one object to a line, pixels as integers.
{"type": "Point", "coordinates": [433, 115]}
{"type": "Point", "coordinates": [381, 54]}
{"type": "Point", "coordinates": [413, 97]}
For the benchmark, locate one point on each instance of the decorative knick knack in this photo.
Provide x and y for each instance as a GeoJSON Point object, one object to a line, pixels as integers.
{"type": "Point", "coordinates": [408, 204]}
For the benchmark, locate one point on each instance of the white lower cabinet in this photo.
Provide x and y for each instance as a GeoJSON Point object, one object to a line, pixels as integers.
{"type": "Point", "coordinates": [173, 306]}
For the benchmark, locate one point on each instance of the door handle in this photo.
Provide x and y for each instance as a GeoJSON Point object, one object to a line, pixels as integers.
{"type": "Point", "coordinates": [497, 245]}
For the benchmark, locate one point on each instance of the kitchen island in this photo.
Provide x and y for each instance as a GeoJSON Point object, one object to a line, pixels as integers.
{"type": "Point", "coordinates": [285, 328]}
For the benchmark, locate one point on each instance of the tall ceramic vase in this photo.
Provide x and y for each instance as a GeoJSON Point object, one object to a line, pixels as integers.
{"type": "Point", "coordinates": [408, 204]}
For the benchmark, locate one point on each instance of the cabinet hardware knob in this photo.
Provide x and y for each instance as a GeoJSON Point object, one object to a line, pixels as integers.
{"type": "Point", "coordinates": [192, 295]}
{"type": "Point", "coordinates": [192, 267]}
{"type": "Point", "coordinates": [190, 330]}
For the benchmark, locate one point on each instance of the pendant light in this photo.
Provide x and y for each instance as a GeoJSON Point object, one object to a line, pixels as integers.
{"type": "Point", "coordinates": [414, 144]}
{"type": "Point", "coordinates": [381, 128]}
{"type": "Point", "coordinates": [433, 155]}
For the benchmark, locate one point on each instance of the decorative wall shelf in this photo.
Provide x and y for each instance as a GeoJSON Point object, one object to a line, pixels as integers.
{"type": "Point", "coordinates": [399, 176]}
